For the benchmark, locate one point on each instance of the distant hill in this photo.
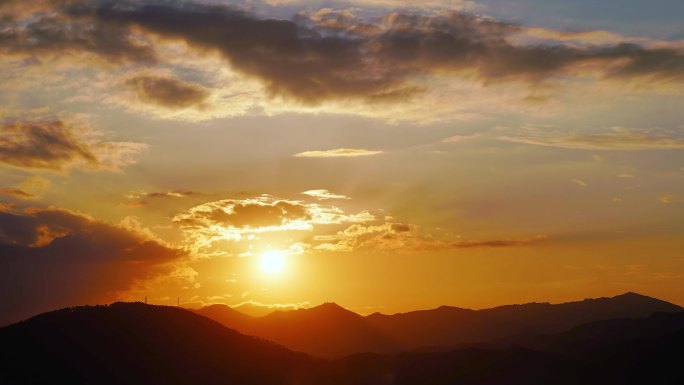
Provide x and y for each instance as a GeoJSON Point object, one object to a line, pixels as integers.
{"type": "Point", "coordinates": [134, 343]}
{"type": "Point", "coordinates": [226, 316]}
{"type": "Point", "coordinates": [327, 330]}
{"type": "Point", "coordinates": [548, 318]}
{"type": "Point", "coordinates": [332, 331]}
{"type": "Point", "coordinates": [444, 326]}
{"type": "Point", "coordinates": [138, 344]}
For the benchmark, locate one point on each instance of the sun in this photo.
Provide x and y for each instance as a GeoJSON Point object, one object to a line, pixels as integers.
{"type": "Point", "coordinates": [272, 262]}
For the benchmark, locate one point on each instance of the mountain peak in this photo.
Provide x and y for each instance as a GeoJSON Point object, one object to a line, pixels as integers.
{"type": "Point", "coordinates": [330, 308]}
{"type": "Point", "coordinates": [631, 294]}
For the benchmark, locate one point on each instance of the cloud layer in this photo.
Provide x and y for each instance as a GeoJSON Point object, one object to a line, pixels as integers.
{"type": "Point", "coordinates": [328, 54]}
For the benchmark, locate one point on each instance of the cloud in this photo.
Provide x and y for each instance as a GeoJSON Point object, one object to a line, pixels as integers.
{"type": "Point", "coordinates": [260, 309]}
{"type": "Point", "coordinates": [401, 237]}
{"type": "Point", "coordinates": [337, 153]}
{"type": "Point", "coordinates": [54, 145]}
{"type": "Point", "coordinates": [33, 29]}
{"type": "Point", "coordinates": [324, 195]}
{"type": "Point", "coordinates": [54, 258]}
{"type": "Point", "coordinates": [579, 182]}
{"type": "Point", "coordinates": [614, 139]}
{"type": "Point", "coordinates": [16, 193]}
{"type": "Point", "coordinates": [238, 220]}
{"type": "Point", "coordinates": [337, 56]}
{"type": "Point", "coordinates": [167, 92]}
{"type": "Point", "coordinates": [141, 198]}
{"type": "Point", "coordinates": [669, 199]}
{"type": "Point", "coordinates": [459, 138]}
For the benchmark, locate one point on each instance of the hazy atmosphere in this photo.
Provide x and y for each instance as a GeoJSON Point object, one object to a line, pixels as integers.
{"type": "Point", "coordinates": [385, 155]}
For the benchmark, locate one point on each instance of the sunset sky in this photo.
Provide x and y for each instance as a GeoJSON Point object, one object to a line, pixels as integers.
{"type": "Point", "coordinates": [384, 155]}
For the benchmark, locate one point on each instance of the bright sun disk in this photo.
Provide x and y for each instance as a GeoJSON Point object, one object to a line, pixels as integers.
{"type": "Point", "coordinates": [272, 262]}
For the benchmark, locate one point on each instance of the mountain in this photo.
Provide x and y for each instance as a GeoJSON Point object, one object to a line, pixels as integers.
{"type": "Point", "coordinates": [547, 318]}
{"type": "Point", "coordinates": [226, 316]}
{"type": "Point", "coordinates": [331, 331]}
{"type": "Point", "coordinates": [624, 351]}
{"type": "Point", "coordinates": [134, 343]}
{"type": "Point", "coordinates": [444, 326]}
{"type": "Point", "coordinates": [328, 330]}
{"type": "Point", "coordinates": [598, 340]}
{"type": "Point", "coordinates": [140, 344]}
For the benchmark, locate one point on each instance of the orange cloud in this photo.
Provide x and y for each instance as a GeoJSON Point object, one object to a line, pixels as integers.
{"type": "Point", "coordinates": [246, 219]}
{"type": "Point", "coordinates": [337, 153]}
{"type": "Point", "coordinates": [400, 237]}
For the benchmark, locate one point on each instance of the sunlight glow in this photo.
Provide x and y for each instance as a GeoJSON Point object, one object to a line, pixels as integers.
{"type": "Point", "coordinates": [272, 262]}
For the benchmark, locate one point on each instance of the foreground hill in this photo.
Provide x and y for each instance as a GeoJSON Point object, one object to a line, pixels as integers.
{"type": "Point", "coordinates": [332, 331]}
{"type": "Point", "coordinates": [140, 344]}
{"type": "Point", "coordinates": [134, 343]}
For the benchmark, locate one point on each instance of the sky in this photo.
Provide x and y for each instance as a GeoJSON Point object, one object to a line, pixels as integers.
{"type": "Point", "coordinates": [385, 155]}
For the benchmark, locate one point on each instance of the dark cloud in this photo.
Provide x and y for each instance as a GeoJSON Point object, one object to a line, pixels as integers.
{"type": "Point", "coordinates": [167, 92]}
{"type": "Point", "coordinates": [59, 34]}
{"type": "Point", "coordinates": [55, 258]}
{"type": "Point", "coordinates": [334, 55]}
{"type": "Point", "coordinates": [48, 144]}
{"type": "Point", "coordinates": [54, 145]}
{"type": "Point", "coordinates": [304, 62]}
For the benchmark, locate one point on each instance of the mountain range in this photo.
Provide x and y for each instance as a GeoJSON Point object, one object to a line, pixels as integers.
{"type": "Point", "coordinates": [331, 331]}
{"type": "Point", "coordinates": [135, 343]}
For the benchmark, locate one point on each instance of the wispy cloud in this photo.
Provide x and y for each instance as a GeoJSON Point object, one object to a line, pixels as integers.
{"type": "Point", "coordinates": [579, 182]}
{"type": "Point", "coordinates": [16, 193]}
{"type": "Point", "coordinates": [401, 237]}
{"type": "Point", "coordinates": [614, 139]}
{"type": "Point", "coordinates": [324, 195]}
{"type": "Point", "coordinates": [337, 153]}
{"type": "Point", "coordinates": [56, 145]}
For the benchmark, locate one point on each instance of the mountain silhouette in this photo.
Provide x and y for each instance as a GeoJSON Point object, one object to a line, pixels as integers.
{"type": "Point", "coordinates": [134, 343]}
{"type": "Point", "coordinates": [548, 318]}
{"type": "Point", "coordinates": [227, 316]}
{"type": "Point", "coordinates": [599, 339]}
{"type": "Point", "coordinates": [444, 326]}
{"type": "Point", "coordinates": [140, 344]}
{"type": "Point", "coordinates": [328, 330]}
{"type": "Point", "coordinates": [331, 331]}
{"type": "Point", "coordinates": [625, 351]}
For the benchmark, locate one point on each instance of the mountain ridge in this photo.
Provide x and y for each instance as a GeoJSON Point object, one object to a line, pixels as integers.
{"type": "Point", "coordinates": [350, 333]}
{"type": "Point", "coordinates": [138, 344]}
